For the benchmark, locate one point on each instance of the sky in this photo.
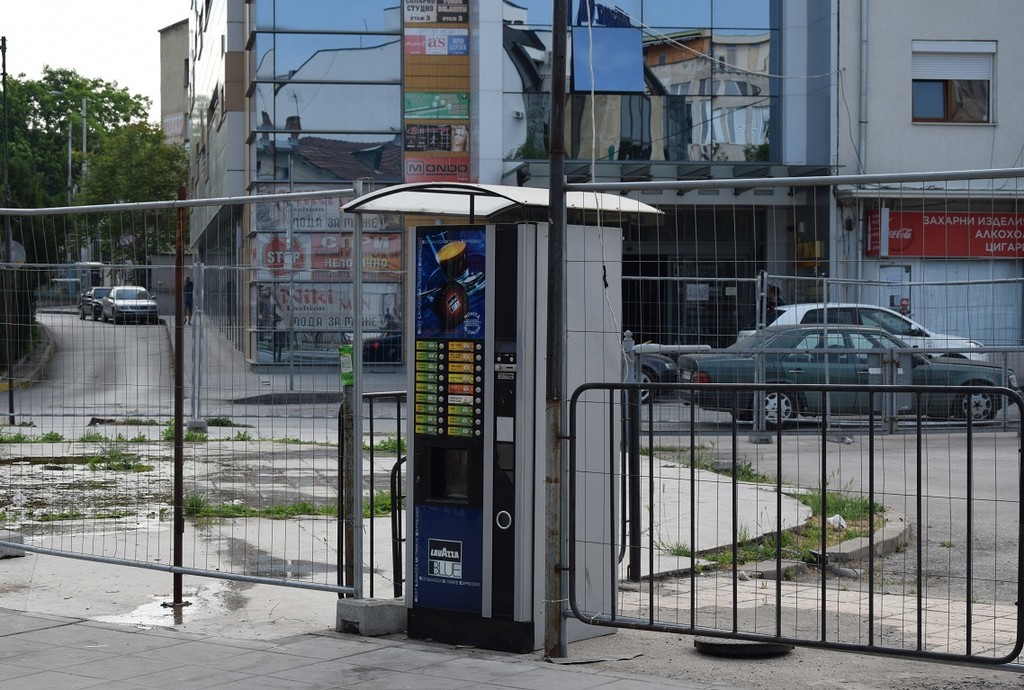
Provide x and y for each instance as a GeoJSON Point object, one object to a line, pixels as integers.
{"type": "Point", "coordinates": [113, 40]}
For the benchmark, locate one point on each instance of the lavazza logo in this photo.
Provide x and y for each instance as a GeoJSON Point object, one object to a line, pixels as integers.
{"type": "Point", "coordinates": [445, 558]}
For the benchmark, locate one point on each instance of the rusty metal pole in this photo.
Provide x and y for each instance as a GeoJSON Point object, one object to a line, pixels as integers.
{"type": "Point", "coordinates": [555, 644]}
{"type": "Point", "coordinates": [346, 470]}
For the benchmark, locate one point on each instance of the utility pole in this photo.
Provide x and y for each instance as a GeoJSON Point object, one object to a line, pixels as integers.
{"type": "Point", "coordinates": [8, 249]}
{"type": "Point", "coordinates": [555, 553]}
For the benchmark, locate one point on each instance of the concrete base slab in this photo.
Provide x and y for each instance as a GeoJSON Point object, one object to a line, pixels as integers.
{"type": "Point", "coordinates": [371, 617]}
{"type": "Point", "coordinates": [10, 551]}
{"type": "Point", "coordinates": [894, 536]}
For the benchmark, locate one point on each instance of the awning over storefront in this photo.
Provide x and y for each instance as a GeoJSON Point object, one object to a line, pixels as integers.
{"type": "Point", "coordinates": [483, 200]}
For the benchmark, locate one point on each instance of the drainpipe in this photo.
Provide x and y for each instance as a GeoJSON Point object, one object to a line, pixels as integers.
{"type": "Point", "coordinates": [863, 138]}
{"type": "Point", "coordinates": [863, 143]}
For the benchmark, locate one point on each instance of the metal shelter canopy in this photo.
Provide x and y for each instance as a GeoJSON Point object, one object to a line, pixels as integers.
{"type": "Point", "coordinates": [482, 200]}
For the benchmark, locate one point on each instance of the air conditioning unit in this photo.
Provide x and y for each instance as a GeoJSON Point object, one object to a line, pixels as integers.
{"type": "Point", "coordinates": [518, 114]}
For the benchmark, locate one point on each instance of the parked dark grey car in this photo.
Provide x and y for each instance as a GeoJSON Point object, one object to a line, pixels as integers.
{"type": "Point", "coordinates": [90, 303]}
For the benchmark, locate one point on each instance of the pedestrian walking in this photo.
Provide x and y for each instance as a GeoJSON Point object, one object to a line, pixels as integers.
{"type": "Point", "coordinates": [188, 294]}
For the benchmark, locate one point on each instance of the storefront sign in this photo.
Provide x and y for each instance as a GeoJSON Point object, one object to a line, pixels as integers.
{"type": "Point", "coordinates": [436, 42]}
{"type": "Point", "coordinates": [327, 256]}
{"type": "Point", "coordinates": [431, 105]}
{"type": "Point", "coordinates": [928, 234]}
{"type": "Point", "coordinates": [439, 169]}
{"type": "Point", "coordinates": [423, 137]}
{"type": "Point", "coordinates": [323, 306]}
{"type": "Point", "coordinates": [436, 11]}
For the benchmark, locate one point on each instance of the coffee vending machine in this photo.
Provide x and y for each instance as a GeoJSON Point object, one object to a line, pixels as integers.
{"type": "Point", "coordinates": [475, 499]}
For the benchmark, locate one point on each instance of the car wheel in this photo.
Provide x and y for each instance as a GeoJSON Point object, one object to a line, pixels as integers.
{"type": "Point", "coordinates": [95, 316]}
{"type": "Point", "coordinates": [978, 406]}
{"type": "Point", "coordinates": [645, 393]}
{"type": "Point", "coordinates": [780, 408]}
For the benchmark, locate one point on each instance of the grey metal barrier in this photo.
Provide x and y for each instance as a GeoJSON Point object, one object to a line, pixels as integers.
{"type": "Point", "coordinates": [905, 544]}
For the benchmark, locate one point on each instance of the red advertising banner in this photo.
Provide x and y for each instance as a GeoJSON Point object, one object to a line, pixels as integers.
{"type": "Point", "coordinates": [946, 234]}
{"type": "Point", "coordinates": [327, 256]}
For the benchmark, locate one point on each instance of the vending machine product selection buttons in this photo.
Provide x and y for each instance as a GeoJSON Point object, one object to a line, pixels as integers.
{"type": "Point", "coordinates": [449, 386]}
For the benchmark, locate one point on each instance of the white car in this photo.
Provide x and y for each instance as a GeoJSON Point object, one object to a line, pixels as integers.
{"type": "Point", "coordinates": [908, 331]}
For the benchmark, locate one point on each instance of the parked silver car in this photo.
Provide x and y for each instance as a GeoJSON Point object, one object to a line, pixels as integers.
{"type": "Point", "coordinates": [129, 303]}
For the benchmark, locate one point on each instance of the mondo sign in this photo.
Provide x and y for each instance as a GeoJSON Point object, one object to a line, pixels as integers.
{"type": "Point", "coordinates": [280, 259]}
{"type": "Point", "coordinates": [945, 234]}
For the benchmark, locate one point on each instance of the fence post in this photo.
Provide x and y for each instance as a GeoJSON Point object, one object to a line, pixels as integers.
{"type": "Point", "coordinates": [632, 437]}
{"type": "Point", "coordinates": [346, 469]}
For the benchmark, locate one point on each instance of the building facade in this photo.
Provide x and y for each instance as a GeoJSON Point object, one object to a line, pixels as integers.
{"type": "Point", "coordinates": [931, 85]}
{"type": "Point", "coordinates": [303, 95]}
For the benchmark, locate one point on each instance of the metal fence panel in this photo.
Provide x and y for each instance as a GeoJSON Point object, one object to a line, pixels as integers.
{"type": "Point", "coordinates": [845, 537]}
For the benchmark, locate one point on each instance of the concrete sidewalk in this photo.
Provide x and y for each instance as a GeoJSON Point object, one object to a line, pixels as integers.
{"type": "Point", "coordinates": [39, 651]}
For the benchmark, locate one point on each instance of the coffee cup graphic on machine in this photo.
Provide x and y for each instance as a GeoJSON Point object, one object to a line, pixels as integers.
{"type": "Point", "coordinates": [453, 258]}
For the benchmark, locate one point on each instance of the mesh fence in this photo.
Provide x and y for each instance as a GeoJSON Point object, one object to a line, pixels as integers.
{"type": "Point", "coordinates": [88, 452]}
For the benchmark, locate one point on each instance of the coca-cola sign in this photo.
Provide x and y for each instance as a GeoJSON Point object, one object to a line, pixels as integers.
{"type": "Point", "coordinates": [900, 238]}
{"type": "Point", "coordinates": [946, 234]}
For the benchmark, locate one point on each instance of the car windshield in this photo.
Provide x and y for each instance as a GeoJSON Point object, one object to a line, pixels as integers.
{"type": "Point", "coordinates": [100, 292]}
{"type": "Point", "coordinates": [890, 322]}
{"type": "Point", "coordinates": [132, 294]}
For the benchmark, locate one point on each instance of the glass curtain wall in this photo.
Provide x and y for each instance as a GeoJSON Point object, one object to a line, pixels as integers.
{"type": "Point", "coordinates": [707, 91]}
{"type": "Point", "coordinates": [324, 109]}
{"type": "Point", "coordinates": [325, 100]}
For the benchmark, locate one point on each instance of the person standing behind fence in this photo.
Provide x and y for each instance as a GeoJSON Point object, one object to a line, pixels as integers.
{"type": "Point", "coordinates": [188, 294]}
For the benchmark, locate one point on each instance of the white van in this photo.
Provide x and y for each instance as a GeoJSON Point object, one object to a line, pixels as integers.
{"type": "Point", "coordinates": [910, 332]}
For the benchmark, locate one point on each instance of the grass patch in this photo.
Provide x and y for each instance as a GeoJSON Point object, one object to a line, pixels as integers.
{"type": "Point", "coordinates": [676, 549]}
{"type": "Point", "coordinates": [197, 505]}
{"type": "Point", "coordinates": [54, 517]}
{"type": "Point", "coordinates": [52, 437]}
{"type": "Point", "coordinates": [138, 421]}
{"type": "Point", "coordinates": [92, 437]}
{"type": "Point", "coordinates": [116, 458]}
{"type": "Point", "coordinates": [16, 437]}
{"type": "Point", "coordinates": [390, 444]}
{"type": "Point", "coordinates": [291, 440]}
{"type": "Point", "coordinates": [188, 436]}
{"type": "Point", "coordinates": [379, 504]}
{"type": "Point", "coordinates": [703, 457]}
{"type": "Point", "coordinates": [851, 506]}
{"type": "Point", "coordinates": [224, 421]}
{"type": "Point", "coordinates": [803, 542]}
{"type": "Point", "coordinates": [242, 436]}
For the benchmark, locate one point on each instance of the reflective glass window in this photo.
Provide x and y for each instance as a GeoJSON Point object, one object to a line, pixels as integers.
{"type": "Point", "coordinates": [329, 107]}
{"type": "Point", "coordinates": [328, 15]}
{"type": "Point", "coordinates": [318, 157]}
{"type": "Point", "coordinates": [740, 14]}
{"type": "Point", "coordinates": [329, 57]}
{"type": "Point", "coordinates": [673, 13]}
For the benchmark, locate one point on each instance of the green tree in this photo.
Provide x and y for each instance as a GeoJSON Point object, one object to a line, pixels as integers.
{"type": "Point", "coordinates": [135, 164]}
{"type": "Point", "coordinates": [40, 113]}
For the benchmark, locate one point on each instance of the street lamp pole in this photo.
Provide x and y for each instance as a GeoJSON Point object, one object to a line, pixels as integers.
{"type": "Point", "coordinates": [69, 158]}
{"type": "Point", "coordinates": [84, 163]}
{"type": "Point", "coordinates": [9, 247]}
